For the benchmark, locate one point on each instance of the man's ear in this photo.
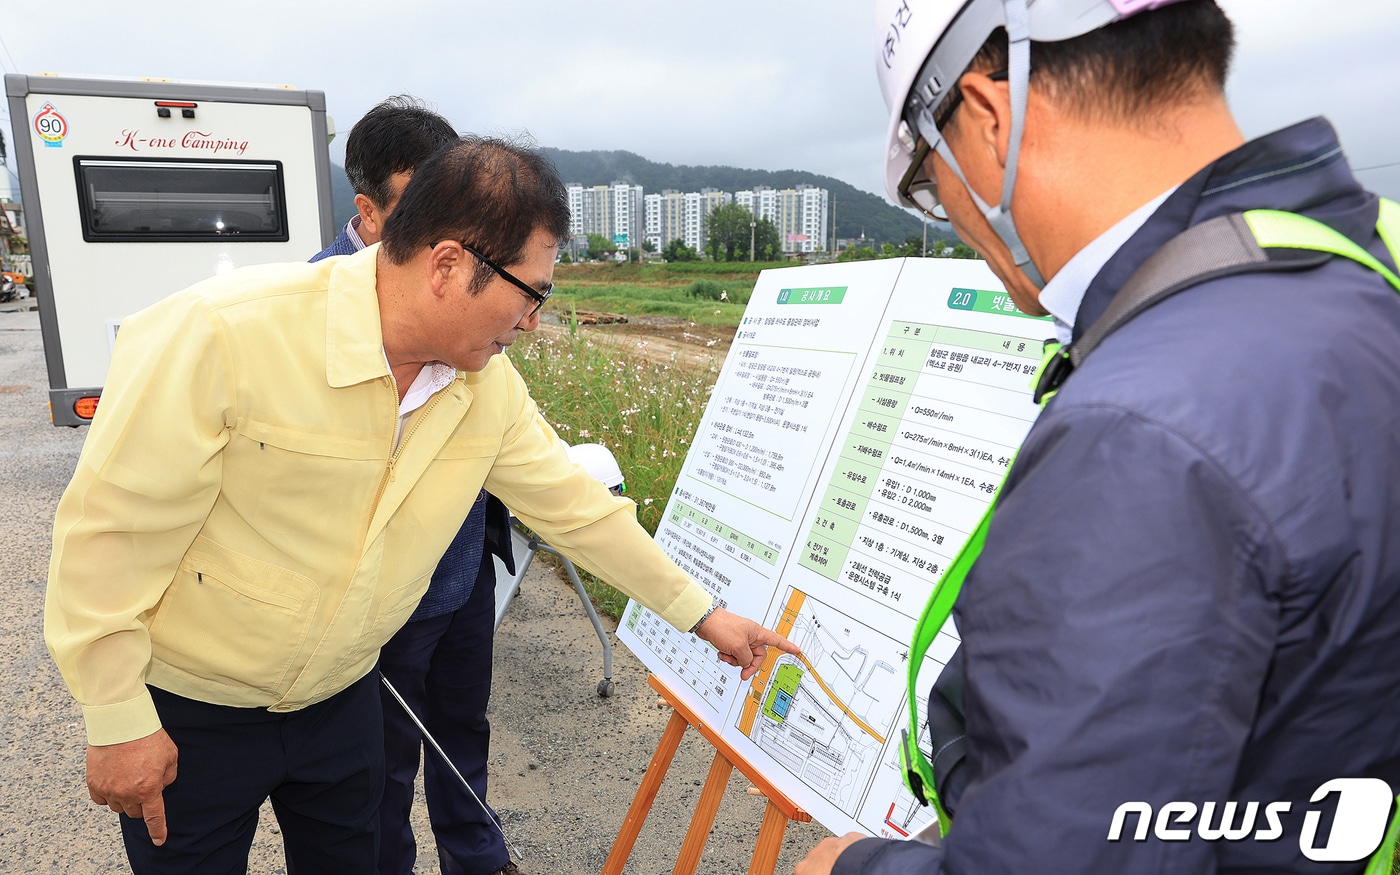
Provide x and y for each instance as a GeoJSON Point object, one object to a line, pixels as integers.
{"type": "Point", "coordinates": [371, 217]}
{"type": "Point", "coordinates": [985, 116]}
{"type": "Point", "coordinates": [446, 263]}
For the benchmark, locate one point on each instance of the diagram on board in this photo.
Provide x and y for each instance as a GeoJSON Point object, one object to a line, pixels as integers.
{"type": "Point", "coordinates": [890, 810]}
{"type": "Point", "coordinates": [826, 714]}
{"type": "Point", "coordinates": [857, 433]}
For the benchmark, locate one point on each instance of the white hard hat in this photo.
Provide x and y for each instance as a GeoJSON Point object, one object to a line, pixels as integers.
{"type": "Point", "coordinates": [922, 47]}
{"type": "Point", "coordinates": [597, 460]}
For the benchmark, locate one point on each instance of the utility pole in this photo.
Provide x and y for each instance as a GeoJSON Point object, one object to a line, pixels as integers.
{"type": "Point", "coordinates": [752, 225]}
{"type": "Point", "coordinates": [925, 223]}
{"type": "Point", "coordinates": [833, 227]}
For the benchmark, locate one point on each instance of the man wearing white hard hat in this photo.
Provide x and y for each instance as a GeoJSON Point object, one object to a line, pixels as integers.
{"type": "Point", "coordinates": [1180, 639]}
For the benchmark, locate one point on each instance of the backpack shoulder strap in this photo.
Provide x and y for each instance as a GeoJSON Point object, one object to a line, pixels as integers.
{"type": "Point", "coordinates": [1257, 240]}
{"type": "Point", "coordinates": [1222, 246]}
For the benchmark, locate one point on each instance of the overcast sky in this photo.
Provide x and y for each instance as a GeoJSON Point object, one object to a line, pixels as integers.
{"type": "Point", "coordinates": [749, 83]}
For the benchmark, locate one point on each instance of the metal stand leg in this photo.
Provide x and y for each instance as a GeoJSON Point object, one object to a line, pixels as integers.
{"type": "Point", "coordinates": [506, 591]}
{"type": "Point", "coordinates": [605, 686]}
{"type": "Point", "coordinates": [433, 743]}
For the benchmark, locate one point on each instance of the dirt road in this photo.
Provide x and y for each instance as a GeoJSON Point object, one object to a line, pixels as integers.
{"type": "Point", "coordinates": [663, 339]}
{"type": "Point", "coordinates": [565, 763]}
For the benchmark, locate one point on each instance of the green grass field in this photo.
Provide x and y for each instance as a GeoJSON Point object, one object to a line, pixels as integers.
{"type": "Point", "coordinates": [644, 412]}
{"type": "Point", "coordinates": [686, 290]}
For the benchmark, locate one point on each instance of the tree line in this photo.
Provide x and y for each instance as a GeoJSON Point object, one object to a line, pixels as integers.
{"type": "Point", "coordinates": [912, 247]}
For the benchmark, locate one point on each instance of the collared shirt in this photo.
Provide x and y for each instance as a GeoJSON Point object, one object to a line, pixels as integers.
{"type": "Point", "coordinates": [1065, 290]}
{"type": "Point", "coordinates": [455, 576]}
{"type": "Point", "coordinates": [352, 230]}
{"type": "Point", "coordinates": [432, 378]}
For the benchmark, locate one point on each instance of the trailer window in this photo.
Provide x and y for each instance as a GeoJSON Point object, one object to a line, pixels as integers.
{"type": "Point", "coordinates": [144, 200]}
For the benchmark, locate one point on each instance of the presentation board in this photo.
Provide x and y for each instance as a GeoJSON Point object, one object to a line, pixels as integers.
{"type": "Point", "coordinates": [864, 417]}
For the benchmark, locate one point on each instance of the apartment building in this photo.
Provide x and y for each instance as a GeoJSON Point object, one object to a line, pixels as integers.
{"type": "Point", "coordinates": [802, 218]}
{"type": "Point", "coordinates": [665, 218]}
{"type": "Point", "coordinates": [698, 206]}
{"type": "Point", "coordinates": [814, 205]}
{"type": "Point", "coordinates": [626, 215]}
{"type": "Point", "coordinates": [761, 201]}
{"type": "Point", "coordinates": [614, 211]}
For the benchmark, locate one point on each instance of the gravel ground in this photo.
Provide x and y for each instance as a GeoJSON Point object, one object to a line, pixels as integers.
{"type": "Point", "coordinates": [565, 763]}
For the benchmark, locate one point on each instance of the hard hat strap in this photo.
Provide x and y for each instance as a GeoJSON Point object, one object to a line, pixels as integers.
{"type": "Point", "coordinates": [1018, 79]}
{"type": "Point", "coordinates": [998, 217]}
{"type": "Point", "coordinates": [1018, 30]}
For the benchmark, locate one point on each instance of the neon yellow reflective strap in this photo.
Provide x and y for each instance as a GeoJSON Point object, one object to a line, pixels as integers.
{"type": "Point", "coordinates": [1388, 226]}
{"type": "Point", "coordinates": [1274, 229]}
{"type": "Point", "coordinates": [1381, 861]}
{"type": "Point", "coordinates": [936, 612]}
{"type": "Point", "coordinates": [1277, 229]}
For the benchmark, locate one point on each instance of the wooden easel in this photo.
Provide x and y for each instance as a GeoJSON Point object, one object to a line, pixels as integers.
{"type": "Point", "coordinates": [775, 818]}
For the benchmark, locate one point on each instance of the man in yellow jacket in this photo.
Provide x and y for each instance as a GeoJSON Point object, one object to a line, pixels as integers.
{"type": "Point", "coordinates": [281, 456]}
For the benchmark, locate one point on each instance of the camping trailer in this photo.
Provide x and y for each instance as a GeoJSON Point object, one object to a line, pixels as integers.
{"type": "Point", "coordinates": [134, 189]}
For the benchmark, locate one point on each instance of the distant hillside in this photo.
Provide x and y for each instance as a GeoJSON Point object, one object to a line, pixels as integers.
{"type": "Point", "coordinates": [856, 210]}
{"type": "Point", "coordinates": [342, 197]}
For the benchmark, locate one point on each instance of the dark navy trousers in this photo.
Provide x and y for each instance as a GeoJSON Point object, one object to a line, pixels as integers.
{"type": "Point", "coordinates": [442, 668]}
{"type": "Point", "coordinates": [322, 767]}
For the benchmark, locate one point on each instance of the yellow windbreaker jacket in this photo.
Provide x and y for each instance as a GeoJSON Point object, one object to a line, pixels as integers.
{"type": "Point", "coordinates": [240, 529]}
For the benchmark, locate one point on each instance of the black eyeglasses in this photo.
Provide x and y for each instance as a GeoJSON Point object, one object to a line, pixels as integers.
{"type": "Point", "coordinates": [920, 188]}
{"type": "Point", "coordinates": [917, 185]}
{"type": "Point", "coordinates": [539, 297]}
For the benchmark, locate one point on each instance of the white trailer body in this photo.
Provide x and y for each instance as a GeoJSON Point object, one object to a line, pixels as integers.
{"type": "Point", "coordinates": [136, 189]}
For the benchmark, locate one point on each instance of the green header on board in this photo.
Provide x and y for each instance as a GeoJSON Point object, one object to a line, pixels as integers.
{"type": "Point", "coordinates": [982, 301]}
{"type": "Point", "coordinates": [821, 295]}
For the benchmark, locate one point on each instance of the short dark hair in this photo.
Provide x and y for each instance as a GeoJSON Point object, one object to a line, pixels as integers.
{"type": "Point", "coordinates": [1151, 60]}
{"type": "Point", "coordinates": [491, 193]}
{"type": "Point", "coordinates": [398, 134]}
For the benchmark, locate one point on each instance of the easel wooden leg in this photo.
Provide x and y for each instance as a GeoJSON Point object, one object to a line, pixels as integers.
{"type": "Point", "coordinates": [710, 796]}
{"type": "Point", "coordinates": [770, 841]}
{"type": "Point", "coordinates": [775, 819]}
{"type": "Point", "coordinates": [646, 795]}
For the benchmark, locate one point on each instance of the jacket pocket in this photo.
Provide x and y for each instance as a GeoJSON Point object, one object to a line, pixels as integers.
{"type": "Point", "coordinates": [233, 620]}
{"type": "Point", "coordinates": [395, 609]}
{"type": "Point", "coordinates": [279, 478]}
{"type": "Point", "coordinates": [312, 442]}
